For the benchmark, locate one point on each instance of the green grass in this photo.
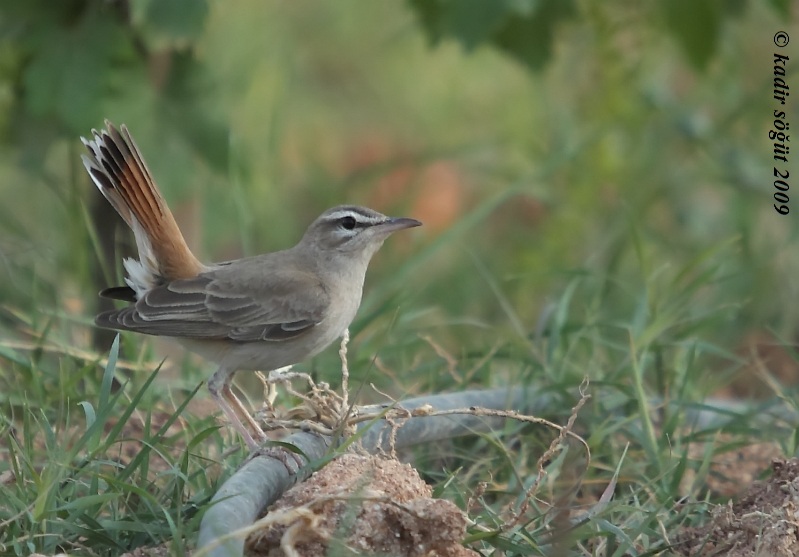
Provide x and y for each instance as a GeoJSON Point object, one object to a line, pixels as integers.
{"type": "Point", "coordinates": [82, 482]}
{"type": "Point", "coordinates": [639, 341]}
{"type": "Point", "coordinates": [611, 221]}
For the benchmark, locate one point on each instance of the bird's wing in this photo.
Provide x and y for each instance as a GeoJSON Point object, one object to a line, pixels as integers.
{"type": "Point", "coordinates": [228, 302]}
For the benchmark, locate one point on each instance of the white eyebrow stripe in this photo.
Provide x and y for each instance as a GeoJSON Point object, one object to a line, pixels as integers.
{"type": "Point", "coordinates": [357, 215]}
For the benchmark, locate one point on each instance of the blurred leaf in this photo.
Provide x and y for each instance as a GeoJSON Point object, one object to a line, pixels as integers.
{"type": "Point", "coordinates": [529, 39]}
{"type": "Point", "coordinates": [524, 29]}
{"type": "Point", "coordinates": [22, 15]}
{"type": "Point", "coordinates": [696, 27]}
{"type": "Point", "coordinates": [431, 14]}
{"type": "Point", "coordinates": [65, 78]}
{"type": "Point", "coordinates": [172, 22]}
{"type": "Point", "coordinates": [473, 21]}
{"type": "Point", "coordinates": [190, 103]}
{"type": "Point", "coordinates": [735, 8]}
{"type": "Point", "coordinates": [782, 7]}
{"type": "Point", "coordinates": [522, 7]}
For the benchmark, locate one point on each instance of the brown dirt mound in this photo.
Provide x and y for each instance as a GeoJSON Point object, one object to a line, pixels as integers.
{"type": "Point", "coordinates": [763, 522]}
{"type": "Point", "coordinates": [372, 505]}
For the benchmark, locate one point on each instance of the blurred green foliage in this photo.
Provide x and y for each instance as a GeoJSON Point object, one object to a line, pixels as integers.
{"type": "Point", "coordinates": [523, 28]}
{"type": "Point", "coordinates": [539, 140]}
{"type": "Point", "coordinates": [65, 62]}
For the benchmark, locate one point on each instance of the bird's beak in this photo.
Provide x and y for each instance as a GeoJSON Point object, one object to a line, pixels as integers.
{"type": "Point", "coordinates": [398, 223]}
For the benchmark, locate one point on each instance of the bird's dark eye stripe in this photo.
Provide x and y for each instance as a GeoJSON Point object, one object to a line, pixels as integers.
{"type": "Point", "coordinates": [349, 222]}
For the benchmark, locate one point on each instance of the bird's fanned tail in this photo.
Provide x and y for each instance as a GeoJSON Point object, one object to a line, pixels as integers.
{"type": "Point", "coordinates": [120, 173]}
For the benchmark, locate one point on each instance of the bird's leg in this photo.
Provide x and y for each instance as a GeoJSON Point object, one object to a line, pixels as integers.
{"type": "Point", "coordinates": [234, 400]}
{"type": "Point", "coordinates": [345, 370]}
{"type": "Point", "coordinates": [218, 385]}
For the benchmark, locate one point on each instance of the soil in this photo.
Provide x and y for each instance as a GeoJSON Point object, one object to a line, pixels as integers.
{"type": "Point", "coordinates": [371, 505]}
{"type": "Point", "coordinates": [762, 522]}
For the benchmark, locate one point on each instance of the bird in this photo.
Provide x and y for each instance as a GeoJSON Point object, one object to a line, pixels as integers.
{"type": "Point", "coordinates": [264, 312]}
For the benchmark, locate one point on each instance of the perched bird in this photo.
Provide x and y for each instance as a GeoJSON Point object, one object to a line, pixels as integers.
{"type": "Point", "coordinates": [257, 313]}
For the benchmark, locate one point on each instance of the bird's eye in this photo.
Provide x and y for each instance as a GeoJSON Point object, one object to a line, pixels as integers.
{"type": "Point", "coordinates": [347, 223]}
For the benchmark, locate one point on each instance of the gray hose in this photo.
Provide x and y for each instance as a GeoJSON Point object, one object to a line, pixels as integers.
{"type": "Point", "coordinates": [264, 478]}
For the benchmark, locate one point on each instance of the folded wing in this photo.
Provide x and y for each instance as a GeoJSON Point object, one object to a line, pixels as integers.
{"type": "Point", "coordinates": [218, 305]}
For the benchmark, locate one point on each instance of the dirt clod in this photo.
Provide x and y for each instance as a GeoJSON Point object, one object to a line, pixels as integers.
{"type": "Point", "coordinates": [763, 522]}
{"type": "Point", "coordinates": [371, 505]}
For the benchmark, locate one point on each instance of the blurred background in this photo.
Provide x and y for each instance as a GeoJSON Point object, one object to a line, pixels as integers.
{"type": "Point", "coordinates": [579, 167]}
{"type": "Point", "coordinates": [596, 182]}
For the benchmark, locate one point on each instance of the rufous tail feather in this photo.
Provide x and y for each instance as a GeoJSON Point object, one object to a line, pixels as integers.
{"type": "Point", "coordinates": [120, 173]}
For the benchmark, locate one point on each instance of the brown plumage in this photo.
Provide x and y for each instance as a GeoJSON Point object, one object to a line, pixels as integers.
{"type": "Point", "coordinates": [122, 176]}
{"type": "Point", "coordinates": [264, 312]}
